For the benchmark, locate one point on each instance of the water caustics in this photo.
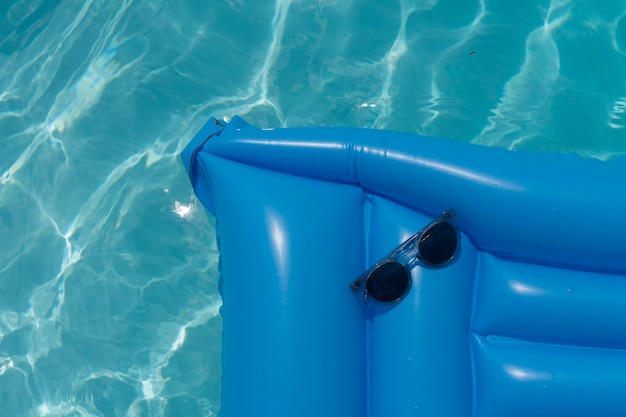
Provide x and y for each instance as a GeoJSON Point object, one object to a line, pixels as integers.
{"type": "Point", "coordinates": [96, 315]}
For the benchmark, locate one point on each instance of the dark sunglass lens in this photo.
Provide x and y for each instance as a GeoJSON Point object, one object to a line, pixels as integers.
{"type": "Point", "coordinates": [438, 244]}
{"type": "Point", "coordinates": [388, 282]}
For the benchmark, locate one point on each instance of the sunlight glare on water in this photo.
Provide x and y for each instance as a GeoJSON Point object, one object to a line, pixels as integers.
{"type": "Point", "coordinates": [109, 302]}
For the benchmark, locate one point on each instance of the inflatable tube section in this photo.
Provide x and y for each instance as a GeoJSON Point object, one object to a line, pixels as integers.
{"type": "Point", "coordinates": [526, 317]}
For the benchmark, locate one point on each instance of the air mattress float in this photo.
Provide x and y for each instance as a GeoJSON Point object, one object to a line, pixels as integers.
{"type": "Point", "coordinates": [369, 273]}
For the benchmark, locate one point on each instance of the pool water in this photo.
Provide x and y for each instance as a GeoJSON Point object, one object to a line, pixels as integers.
{"type": "Point", "coordinates": [108, 264]}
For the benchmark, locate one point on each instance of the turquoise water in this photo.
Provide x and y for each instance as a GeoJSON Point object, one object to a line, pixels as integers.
{"type": "Point", "coordinates": [108, 264]}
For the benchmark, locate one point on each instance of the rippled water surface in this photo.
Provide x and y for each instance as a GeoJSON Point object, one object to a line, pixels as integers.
{"type": "Point", "coordinates": [108, 265]}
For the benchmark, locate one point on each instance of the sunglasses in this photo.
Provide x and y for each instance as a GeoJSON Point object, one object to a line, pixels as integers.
{"type": "Point", "coordinates": [388, 281]}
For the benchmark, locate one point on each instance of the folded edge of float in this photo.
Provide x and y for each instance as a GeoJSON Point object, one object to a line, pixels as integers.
{"type": "Point", "coordinates": [541, 199]}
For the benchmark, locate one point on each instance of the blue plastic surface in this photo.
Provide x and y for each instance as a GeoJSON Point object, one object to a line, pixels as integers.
{"type": "Point", "coordinates": [529, 321]}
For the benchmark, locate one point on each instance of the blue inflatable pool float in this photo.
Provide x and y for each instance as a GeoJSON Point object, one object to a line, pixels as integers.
{"type": "Point", "coordinates": [524, 313]}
